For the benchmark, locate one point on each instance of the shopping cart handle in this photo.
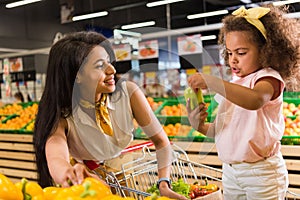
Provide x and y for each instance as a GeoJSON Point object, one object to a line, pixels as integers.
{"type": "Point", "coordinates": [137, 147]}
{"type": "Point", "coordinates": [93, 165]}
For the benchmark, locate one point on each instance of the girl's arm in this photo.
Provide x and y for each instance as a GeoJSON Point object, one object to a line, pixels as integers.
{"type": "Point", "coordinates": [146, 119]}
{"type": "Point", "coordinates": [58, 159]}
{"type": "Point", "coordinates": [265, 89]}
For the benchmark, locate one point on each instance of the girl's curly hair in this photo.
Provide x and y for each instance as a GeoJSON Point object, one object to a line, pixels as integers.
{"type": "Point", "coordinates": [281, 48]}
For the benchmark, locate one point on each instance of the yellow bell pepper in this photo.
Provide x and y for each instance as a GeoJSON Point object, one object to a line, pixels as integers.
{"type": "Point", "coordinates": [210, 187]}
{"type": "Point", "coordinates": [31, 190]}
{"type": "Point", "coordinates": [51, 192]}
{"type": "Point", "coordinates": [70, 193]}
{"type": "Point", "coordinates": [164, 198]}
{"type": "Point", "coordinates": [8, 190]}
{"type": "Point", "coordinates": [96, 185]}
{"type": "Point", "coordinates": [154, 196]}
{"type": "Point", "coordinates": [90, 189]}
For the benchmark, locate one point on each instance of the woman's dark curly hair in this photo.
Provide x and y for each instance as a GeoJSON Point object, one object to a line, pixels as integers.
{"type": "Point", "coordinates": [281, 48]}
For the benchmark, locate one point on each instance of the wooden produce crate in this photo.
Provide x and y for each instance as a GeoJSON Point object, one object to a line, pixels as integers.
{"type": "Point", "coordinates": [17, 159]}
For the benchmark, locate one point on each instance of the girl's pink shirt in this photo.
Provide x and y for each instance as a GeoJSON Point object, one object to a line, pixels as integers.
{"type": "Point", "coordinates": [243, 135]}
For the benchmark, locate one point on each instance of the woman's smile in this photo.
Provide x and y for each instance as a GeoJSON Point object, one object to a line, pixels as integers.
{"type": "Point", "coordinates": [110, 81]}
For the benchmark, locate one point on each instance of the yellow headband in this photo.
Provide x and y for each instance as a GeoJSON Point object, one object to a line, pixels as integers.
{"type": "Point", "coordinates": [252, 15]}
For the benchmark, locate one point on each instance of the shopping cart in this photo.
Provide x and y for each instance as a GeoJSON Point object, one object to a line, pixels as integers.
{"type": "Point", "coordinates": [138, 175]}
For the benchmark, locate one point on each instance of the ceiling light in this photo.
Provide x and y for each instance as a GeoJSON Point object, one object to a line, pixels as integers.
{"type": "Point", "coordinates": [127, 6]}
{"type": "Point", "coordinates": [208, 37]}
{"type": "Point", "coordinates": [26, 53]}
{"type": "Point", "coordinates": [246, 1]}
{"type": "Point", "coordinates": [20, 3]}
{"type": "Point", "coordinates": [166, 33]}
{"type": "Point", "coordinates": [138, 25]}
{"type": "Point", "coordinates": [207, 14]}
{"type": "Point", "coordinates": [280, 3]}
{"type": "Point", "coordinates": [91, 15]}
{"type": "Point", "coordinates": [12, 50]}
{"type": "Point", "coordinates": [163, 2]}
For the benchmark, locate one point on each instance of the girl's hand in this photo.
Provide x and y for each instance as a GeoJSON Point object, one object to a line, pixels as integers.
{"type": "Point", "coordinates": [166, 191]}
{"type": "Point", "coordinates": [196, 81]}
{"type": "Point", "coordinates": [197, 116]}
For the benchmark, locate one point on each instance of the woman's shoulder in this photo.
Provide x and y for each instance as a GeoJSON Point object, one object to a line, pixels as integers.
{"type": "Point", "coordinates": [131, 86]}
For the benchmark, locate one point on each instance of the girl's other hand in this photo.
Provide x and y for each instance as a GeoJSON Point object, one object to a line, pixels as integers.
{"type": "Point", "coordinates": [197, 117]}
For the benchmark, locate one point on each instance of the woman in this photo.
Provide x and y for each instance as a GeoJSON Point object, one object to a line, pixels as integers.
{"type": "Point", "coordinates": [80, 91]}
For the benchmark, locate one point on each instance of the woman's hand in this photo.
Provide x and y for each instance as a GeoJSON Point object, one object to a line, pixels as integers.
{"type": "Point", "coordinates": [197, 116]}
{"type": "Point", "coordinates": [166, 191]}
{"type": "Point", "coordinates": [72, 175]}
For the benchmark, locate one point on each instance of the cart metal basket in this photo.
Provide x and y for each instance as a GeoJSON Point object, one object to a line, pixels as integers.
{"type": "Point", "coordinates": [140, 174]}
{"type": "Point", "coordinates": [292, 196]}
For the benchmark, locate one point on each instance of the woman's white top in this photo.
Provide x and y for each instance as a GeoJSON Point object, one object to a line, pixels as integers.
{"type": "Point", "coordinates": [87, 142]}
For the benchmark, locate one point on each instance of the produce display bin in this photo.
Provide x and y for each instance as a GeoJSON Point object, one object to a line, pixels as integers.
{"type": "Point", "coordinates": [192, 134]}
{"type": "Point", "coordinates": [172, 102]}
{"type": "Point", "coordinates": [290, 140]}
{"type": "Point", "coordinates": [292, 134]}
{"type": "Point", "coordinates": [24, 130]}
{"type": "Point", "coordinates": [181, 118]}
{"type": "Point", "coordinates": [211, 108]}
{"type": "Point", "coordinates": [9, 117]}
{"type": "Point", "coordinates": [290, 100]}
{"type": "Point", "coordinates": [291, 95]}
{"type": "Point", "coordinates": [6, 118]}
{"type": "Point", "coordinates": [164, 120]}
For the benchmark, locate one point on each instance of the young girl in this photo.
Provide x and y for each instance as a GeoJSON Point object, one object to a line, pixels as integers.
{"type": "Point", "coordinates": [86, 114]}
{"type": "Point", "coordinates": [261, 47]}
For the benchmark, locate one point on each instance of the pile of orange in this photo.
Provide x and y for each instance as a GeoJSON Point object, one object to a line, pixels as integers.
{"type": "Point", "coordinates": [177, 129]}
{"type": "Point", "coordinates": [3, 117]}
{"type": "Point", "coordinates": [174, 110]}
{"type": "Point", "coordinates": [11, 109]}
{"type": "Point", "coordinates": [153, 104]}
{"type": "Point", "coordinates": [24, 116]}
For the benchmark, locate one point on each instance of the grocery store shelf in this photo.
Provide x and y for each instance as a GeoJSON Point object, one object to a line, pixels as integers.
{"type": "Point", "coordinates": [17, 158]}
